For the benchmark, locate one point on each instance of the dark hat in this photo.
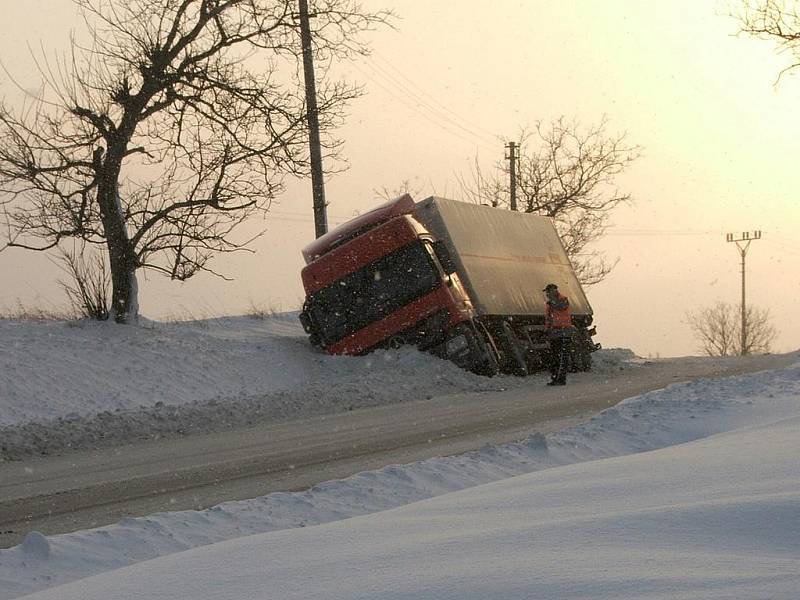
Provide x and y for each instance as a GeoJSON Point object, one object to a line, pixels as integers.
{"type": "Point", "coordinates": [550, 286]}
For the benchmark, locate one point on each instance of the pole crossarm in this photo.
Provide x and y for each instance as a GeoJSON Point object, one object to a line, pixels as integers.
{"type": "Point", "coordinates": [747, 236]}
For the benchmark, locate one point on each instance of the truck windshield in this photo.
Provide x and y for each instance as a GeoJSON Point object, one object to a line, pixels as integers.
{"type": "Point", "coordinates": [373, 292]}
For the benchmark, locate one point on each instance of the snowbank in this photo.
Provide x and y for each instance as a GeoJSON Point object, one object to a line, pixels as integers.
{"type": "Point", "coordinates": [716, 519]}
{"type": "Point", "coordinates": [94, 385]}
{"type": "Point", "coordinates": [712, 518]}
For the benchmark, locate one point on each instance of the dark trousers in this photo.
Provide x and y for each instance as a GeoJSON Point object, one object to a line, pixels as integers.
{"type": "Point", "coordinates": [559, 349]}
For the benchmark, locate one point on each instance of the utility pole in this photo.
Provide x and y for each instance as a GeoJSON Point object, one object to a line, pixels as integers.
{"type": "Point", "coordinates": [743, 244]}
{"type": "Point", "coordinates": [512, 156]}
{"type": "Point", "coordinates": [317, 182]}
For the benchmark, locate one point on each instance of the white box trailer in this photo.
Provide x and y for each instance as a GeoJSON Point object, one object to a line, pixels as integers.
{"type": "Point", "coordinates": [504, 258]}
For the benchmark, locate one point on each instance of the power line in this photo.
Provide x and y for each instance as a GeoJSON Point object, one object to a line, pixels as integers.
{"type": "Point", "coordinates": [794, 250]}
{"type": "Point", "coordinates": [656, 232]}
{"type": "Point", "coordinates": [400, 98]}
{"type": "Point", "coordinates": [273, 216]}
{"type": "Point", "coordinates": [302, 214]}
{"type": "Point", "coordinates": [791, 242]}
{"type": "Point", "coordinates": [489, 135]}
{"type": "Point", "coordinates": [445, 114]}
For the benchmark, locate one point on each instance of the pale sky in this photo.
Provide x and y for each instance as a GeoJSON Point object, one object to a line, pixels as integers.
{"type": "Point", "coordinates": [719, 138]}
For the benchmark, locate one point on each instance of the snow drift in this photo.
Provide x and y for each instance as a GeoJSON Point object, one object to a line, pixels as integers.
{"type": "Point", "coordinates": [683, 492]}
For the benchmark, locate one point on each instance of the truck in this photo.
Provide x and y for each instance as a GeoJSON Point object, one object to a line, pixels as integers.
{"type": "Point", "coordinates": [459, 280]}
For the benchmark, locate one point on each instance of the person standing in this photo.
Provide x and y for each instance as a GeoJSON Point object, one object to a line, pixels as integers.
{"type": "Point", "coordinates": [558, 324]}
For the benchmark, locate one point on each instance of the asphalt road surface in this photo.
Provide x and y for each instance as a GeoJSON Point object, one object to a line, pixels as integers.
{"type": "Point", "coordinates": [87, 489]}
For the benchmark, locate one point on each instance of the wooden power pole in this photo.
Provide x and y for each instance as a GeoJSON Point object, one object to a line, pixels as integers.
{"type": "Point", "coordinates": [317, 182]}
{"type": "Point", "coordinates": [513, 155]}
{"type": "Point", "coordinates": [743, 243]}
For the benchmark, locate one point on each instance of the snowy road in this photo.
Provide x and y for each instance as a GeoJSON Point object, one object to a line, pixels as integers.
{"type": "Point", "coordinates": [92, 488]}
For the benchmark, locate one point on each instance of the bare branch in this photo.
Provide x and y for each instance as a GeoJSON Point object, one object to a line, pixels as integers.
{"type": "Point", "coordinates": [166, 126]}
{"type": "Point", "coordinates": [718, 329]}
{"type": "Point", "coordinates": [777, 21]}
{"type": "Point", "coordinates": [567, 173]}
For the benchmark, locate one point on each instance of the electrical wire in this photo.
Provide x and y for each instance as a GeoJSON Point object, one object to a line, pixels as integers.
{"type": "Point", "coordinates": [490, 134]}
{"type": "Point", "coordinates": [297, 217]}
{"type": "Point", "coordinates": [304, 214]}
{"type": "Point", "coordinates": [400, 98]}
{"type": "Point", "coordinates": [790, 242]}
{"type": "Point", "coordinates": [441, 111]}
{"type": "Point", "coordinates": [793, 250]}
{"type": "Point", "coordinates": [657, 232]}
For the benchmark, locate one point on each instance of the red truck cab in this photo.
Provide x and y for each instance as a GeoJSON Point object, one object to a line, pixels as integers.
{"type": "Point", "coordinates": [380, 280]}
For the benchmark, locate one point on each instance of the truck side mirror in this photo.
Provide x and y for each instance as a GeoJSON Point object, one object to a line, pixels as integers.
{"type": "Point", "coordinates": [443, 254]}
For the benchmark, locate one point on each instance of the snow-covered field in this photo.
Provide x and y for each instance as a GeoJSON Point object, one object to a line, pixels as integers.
{"type": "Point", "coordinates": [688, 492]}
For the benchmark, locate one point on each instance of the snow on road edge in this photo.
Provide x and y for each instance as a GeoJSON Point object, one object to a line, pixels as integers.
{"type": "Point", "coordinates": [677, 414]}
{"type": "Point", "coordinates": [97, 385]}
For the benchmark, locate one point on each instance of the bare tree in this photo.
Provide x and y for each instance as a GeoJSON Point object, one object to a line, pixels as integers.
{"type": "Point", "coordinates": [405, 187]}
{"type": "Point", "coordinates": [174, 123]}
{"type": "Point", "coordinates": [567, 173]}
{"type": "Point", "coordinates": [774, 20]}
{"type": "Point", "coordinates": [718, 328]}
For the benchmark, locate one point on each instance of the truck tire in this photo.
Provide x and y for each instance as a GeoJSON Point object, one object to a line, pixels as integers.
{"type": "Point", "coordinates": [515, 354]}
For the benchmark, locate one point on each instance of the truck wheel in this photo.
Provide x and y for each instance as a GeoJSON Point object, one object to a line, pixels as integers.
{"type": "Point", "coordinates": [514, 352]}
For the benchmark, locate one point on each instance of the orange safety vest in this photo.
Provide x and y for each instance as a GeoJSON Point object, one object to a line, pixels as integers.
{"type": "Point", "coordinates": [557, 314]}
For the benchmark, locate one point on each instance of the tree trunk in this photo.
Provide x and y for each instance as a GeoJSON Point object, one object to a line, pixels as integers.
{"type": "Point", "coordinates": [121, 254]}
{"type": "Point", "coordinates": [125, 292]}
